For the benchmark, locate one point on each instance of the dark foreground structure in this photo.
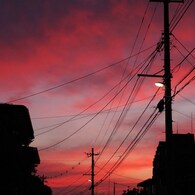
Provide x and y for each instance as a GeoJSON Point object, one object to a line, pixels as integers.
{"type": "Point", "coordinates": [173, 167]}
{"type": "Point", "coordinates": [18, 160]}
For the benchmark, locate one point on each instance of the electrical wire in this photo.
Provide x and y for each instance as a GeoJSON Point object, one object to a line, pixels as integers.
{"type": "Point", "coordinates": [121, 117]}
{"type": "Point", "coordinates": [138, 33]}
{"type": "Point", "coordinates": [187, 99]}
{"type": "Point", "coordinates": [90, 106]}
{"type": "Point", "coordinates": [182, 45]}
{"type": "Point", "coordinates": [180, 14]}
{"type": "Point", "coordinates": [74, 188]}
{"type": "Point", "coordinates": [154, 118]}
{"type": "Point", "coordinates": [131, 146]}
{"type": "Point", "coordinates": [143, 134]}
{"type": "Point", "coordinates": [71, 190]}
{"type": "Point", "coordinates": [106, 171]}
{"type": "Point", "coordinates": [79, 129]}
{"type": "Point", "coordinates": [152, 56]}
{"type": "Point", "coordinates": [59, 142]}
{"type": "Point", "coordinates": [76, 79]}
{"type": "Point", "coordinates": [187, 116]}
{"type": "Point", "coordinates": [112, 156]}
{"type": "Point", "coordinates": [82, 115]}
{"type": "Point", "coordinates": [131, 129]}
{"type": "Point", "coordinates": [187, 75]}
{"type": "Point", "coordinates": [75, 116]}
{"type": "Point", "coordinates": [184, 58]}
{"type": "Point", "coordinates": [184, 86]}
{"type": "Point", "coordinates": [67, 171]}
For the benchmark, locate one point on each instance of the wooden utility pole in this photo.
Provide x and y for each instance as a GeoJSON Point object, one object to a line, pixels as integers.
{"type": "Point", "coordinates": [92, 154]}
{"type": "Point", "coordinates": [168, 97]}
{"type": "Point", "coordinates": [167, 69]}
{"type": "Point", "coordinates": [114, 190]}
{"type": "Point", "coordinates": [167, 75]}
{"type": "Point", "coordinates": [92, 171]}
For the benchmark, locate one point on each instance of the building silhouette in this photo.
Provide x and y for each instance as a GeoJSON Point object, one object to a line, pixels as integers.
{"type": "Point", "coordinates": [173, 167]}
{"type": "Point", "coordinates": [18, 160]}
{"type": "Point", "coordinates": [181, 166]}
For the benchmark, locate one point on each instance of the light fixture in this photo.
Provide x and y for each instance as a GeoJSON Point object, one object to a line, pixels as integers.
{"type": "Point", "coordinates": [159, 84]}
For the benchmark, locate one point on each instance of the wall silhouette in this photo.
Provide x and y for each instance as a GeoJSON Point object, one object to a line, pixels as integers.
{"type": "Point", "coordinates": [18, 160]}
{"type": "Point", "coordinates": [174, 172]}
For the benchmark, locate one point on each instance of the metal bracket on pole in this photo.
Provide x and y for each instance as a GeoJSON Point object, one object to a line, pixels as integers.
{"type": "Point", "coordinates": [150, 75]}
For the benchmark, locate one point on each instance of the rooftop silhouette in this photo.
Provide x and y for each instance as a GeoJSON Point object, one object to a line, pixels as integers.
{"type": "Point", "coordinates": [19, 160]}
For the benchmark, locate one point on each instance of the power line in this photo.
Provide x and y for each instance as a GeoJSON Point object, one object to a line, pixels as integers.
{"type": "Point", "coordinates": [180, 14]}
{"type": "Point", "coordinates": [121, 117]}
{"type": "Point", "coordinates": [184, 86]}
{"type": "Point", "coordinates": [75, 116]}
{"type": "Point", "coordinates": [77, 79]}
{"type": "Point", "coordinates": [87, 121]}
{"type": "Point", "coordinates": [130, 130]}
{"type": "Point", "coordinates": [182, 45]}
{"type": "Point", "coordinates": [131, 146]}
{"type": "Point", "coordinates": [76, 131]}
{"type": "Point", "coordinates": [82, 115]}
{"type": "Point", "coordinates": [187, 99]}
{"type": "Point", "coordinates": [187, 75]}
{"type": "Point", "coordinates": [60, 124]}
{"type": "Point", "coordinates": [185, 58]}
{"type": "Point", "coordinates": [67, 171]}
{"type": "Point", "coordinates": [106, 171]}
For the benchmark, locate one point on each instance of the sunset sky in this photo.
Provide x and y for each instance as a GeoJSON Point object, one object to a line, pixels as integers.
{"type": "Point", "coordinates": [74, 64]}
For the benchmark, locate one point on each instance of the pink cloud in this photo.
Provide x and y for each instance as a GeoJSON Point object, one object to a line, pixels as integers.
{"type": "Point", "coordinates": [49, 43]}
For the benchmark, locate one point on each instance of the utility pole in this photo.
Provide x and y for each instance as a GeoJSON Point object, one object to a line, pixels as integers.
{"type": "Point", "coordinates": [168, 97]}
{"type": "Point", "coordinates": [92, 154]}
{"type": "Point", "coordinates": [167, 75]}
{"type": "Point", "coordinates": [167, 69]}
{"type": "Point", "coordinates": [114, 190]}
{"type": "Point", "coordinates": [92, 171]}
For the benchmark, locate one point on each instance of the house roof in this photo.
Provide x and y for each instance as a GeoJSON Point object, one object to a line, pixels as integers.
{"type": "Point", "coordinates": [145, 183]}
